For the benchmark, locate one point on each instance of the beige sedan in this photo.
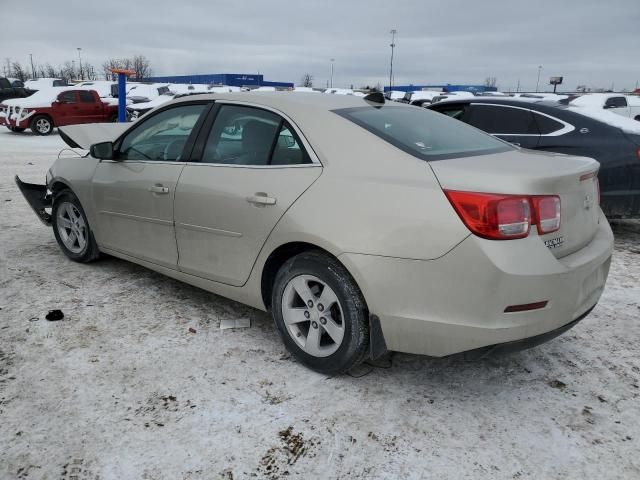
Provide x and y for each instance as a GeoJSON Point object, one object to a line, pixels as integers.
{"type": "Point", "coordinates": [362, 226]}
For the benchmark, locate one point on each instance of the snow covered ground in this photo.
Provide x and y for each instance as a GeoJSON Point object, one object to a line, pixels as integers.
{"type": "Point", "coordinates": [121, 389]}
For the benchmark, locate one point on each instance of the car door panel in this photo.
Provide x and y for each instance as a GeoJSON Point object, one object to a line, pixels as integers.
{"type": "Point", "coordinates": [135, 214]}
{"type": "Point", "coordinates": [66, 109]}
{"type": "Point", "coordinates": [220, 227]}
{"type": "Point", "coordinates": [134, 194]}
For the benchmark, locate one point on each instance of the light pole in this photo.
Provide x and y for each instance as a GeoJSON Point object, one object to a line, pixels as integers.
{"type": "Point", "coordinates": [393, 45]}
{"type": "Point", "coordinates": [33, 72]}
{"type": "Point", "coordinates": [331, 83]}
{"type": "Point", "coordinates": [80, 63]}
{"type": "Point", "coordinates": [538, 82]}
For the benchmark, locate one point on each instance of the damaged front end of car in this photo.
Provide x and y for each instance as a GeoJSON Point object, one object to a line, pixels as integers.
{"type": "Point", "coordinates": [38, 197]}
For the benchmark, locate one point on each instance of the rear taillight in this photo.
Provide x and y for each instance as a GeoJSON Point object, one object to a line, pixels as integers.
{"type": "Point", "coordinates": [547, 211]}
{"type": "Point", "coordinates": [496, 217]}
{"type": "Point", "coordinates": [506, 217]}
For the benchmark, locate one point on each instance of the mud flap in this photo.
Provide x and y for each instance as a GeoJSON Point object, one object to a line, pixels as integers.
{"type": "Point", "coordinates": [377, 345]}
{"type": "Point", "coordinates": [37, 198]}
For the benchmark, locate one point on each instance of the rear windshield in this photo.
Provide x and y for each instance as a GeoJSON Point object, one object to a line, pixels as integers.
{"type": "Point", "coordinates": [422, 133]}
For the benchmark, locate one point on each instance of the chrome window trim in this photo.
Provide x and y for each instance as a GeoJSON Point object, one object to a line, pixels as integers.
{"type": "Point", "coordinates": [231, 165]}
{"type": "Point", "coordinates": [567, 127]}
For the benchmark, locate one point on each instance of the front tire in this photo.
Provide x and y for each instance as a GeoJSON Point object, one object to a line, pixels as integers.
{"type": "Point", "coordinates": [320, 313]}
{"type": "Point", "coordinates": [42, 125]}
{"type": "Point", "coordinates": [71, 228]}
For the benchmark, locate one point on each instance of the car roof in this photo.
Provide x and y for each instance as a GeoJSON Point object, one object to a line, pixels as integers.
{"type": "Point", "coordinates": [295, 104]}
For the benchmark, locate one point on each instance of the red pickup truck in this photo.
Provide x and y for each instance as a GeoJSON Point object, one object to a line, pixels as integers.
{"type": "Point", "coordinates": [55, 107]}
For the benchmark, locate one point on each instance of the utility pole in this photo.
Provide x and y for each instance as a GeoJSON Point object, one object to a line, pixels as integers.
{"type": "Point", "coordinates": [538, 82]}
{"type": "Point", "coordinates": [332, 60]}
{"type": "Point", "coordinates": [33, 72]}
{"type": "Point", "coordinates": [80, 63]}
{"type": "Point", "coordinates": [393, 45]}
{"type": "Point", "coordinates": [518, 87]}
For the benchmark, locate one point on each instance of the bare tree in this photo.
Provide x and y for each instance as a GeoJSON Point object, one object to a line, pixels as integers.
{"type": "Point", "coordinates": [18, 72]}
{"type": "Point", "coordinates": [49, 71]}
{"type": "Point", "coordinates": [108, 66]}
{"type": "Point", "coordinates": [90, 72]}
{"type": "Point", "coordinates": [141, 66]}
{"type": "Point", "coordinates": [490, 82]}
{"type": "Point", "coordinates": [67, 71]}
{"type": "Point", "coordinates": [306, 80]}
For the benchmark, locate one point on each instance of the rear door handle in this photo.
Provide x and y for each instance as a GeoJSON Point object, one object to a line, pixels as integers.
{"type": "Point", "coordinates": [158, 189]}
{"type": "Point", "coordinates": [261, 199]}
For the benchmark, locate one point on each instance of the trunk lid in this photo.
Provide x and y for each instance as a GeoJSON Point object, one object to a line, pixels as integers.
{"type": "Point", "coordinates": [518, 172]}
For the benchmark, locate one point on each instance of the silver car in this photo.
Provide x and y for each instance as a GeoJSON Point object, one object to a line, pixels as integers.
{"type": "Point", "coordinates": [362, 226]}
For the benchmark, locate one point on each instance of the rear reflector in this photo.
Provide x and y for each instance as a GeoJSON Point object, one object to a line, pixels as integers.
{"type": "Point", "coordinates": [525, 307]}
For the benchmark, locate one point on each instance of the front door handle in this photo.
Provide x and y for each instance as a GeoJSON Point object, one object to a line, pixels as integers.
{"type": "Point", "coordinates": [261, 199]}
{"type": "Point", "coordinates": [158, 189]}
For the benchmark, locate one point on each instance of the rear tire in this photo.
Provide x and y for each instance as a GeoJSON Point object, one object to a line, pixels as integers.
{"type": "Point", "coordinates": [42, 125]}
{"type": "Point", "coordinates": [71, 228]}
{"type": "Point", "coordinates": [320, 313]}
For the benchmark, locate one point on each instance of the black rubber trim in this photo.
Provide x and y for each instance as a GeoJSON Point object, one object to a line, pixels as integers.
{"type": "Point", "coordinates": [377, 345]}
{"type": "Point", "coordinates": [37, 198]}
{"type": "Point", "coordinates": [518, 345]}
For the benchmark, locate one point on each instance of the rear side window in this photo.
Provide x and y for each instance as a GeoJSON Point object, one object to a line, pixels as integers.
{"type": "Point", "coordinates": [250, 136]}
{"type": "Point", "coordinates": [453, 111]}
{"type": "Point", "coordinates": [503, 120]}
{"type": "Point", "coordinates": [86, 97]}
{"type": "Point", "coordinates": [422, 133]}
{"type": "Point", "coordinates": [616, 102]}
{"type": "Point", "coordinates": [547, 125]}
{"type": "Point", "coordinates": [67, 97]}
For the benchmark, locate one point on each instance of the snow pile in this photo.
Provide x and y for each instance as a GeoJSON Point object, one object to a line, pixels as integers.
{"type": "Point", "coordinates": [592, 106]}
{"type": "Point", "coordinates": [156, 102]}
{"type": "Point", "coordinates": [103, 87]}
{"type": "Point", "coordinates": [181, 88]}
{"type": "Point", "coordinates": [41, 99]}
{"type": "Point", "coordinates": [41, 83]}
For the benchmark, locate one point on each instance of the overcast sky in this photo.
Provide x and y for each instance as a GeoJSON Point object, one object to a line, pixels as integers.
{"type": "Point", "coordinates": [592, 42]}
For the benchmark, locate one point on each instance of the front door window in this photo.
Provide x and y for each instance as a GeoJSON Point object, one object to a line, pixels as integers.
{"type": "Point", "coordinates": [163, 136]}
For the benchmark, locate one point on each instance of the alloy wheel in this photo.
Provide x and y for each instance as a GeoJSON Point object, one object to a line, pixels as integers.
{"type": "Point", "coordinates": [313, 316]}
{"type": "Point", "coordinates": [43, 125]}
{"type": "Point", "coordinates": [72, 228]}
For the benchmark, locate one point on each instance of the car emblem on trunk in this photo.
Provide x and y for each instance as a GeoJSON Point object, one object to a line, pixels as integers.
{"type": "Point", "coordinates": [588, 202]}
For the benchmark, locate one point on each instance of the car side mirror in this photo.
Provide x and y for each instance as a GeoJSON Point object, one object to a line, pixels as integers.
{"type": "Point", "coordinates": [102, 151]}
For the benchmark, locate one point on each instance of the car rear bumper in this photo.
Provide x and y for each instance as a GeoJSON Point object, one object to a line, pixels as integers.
{"type": "Point", "coordinates": [457, 303]}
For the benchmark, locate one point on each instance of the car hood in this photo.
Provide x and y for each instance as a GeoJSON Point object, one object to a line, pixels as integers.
{"type": "Point", "coordinates": [83, 136]}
